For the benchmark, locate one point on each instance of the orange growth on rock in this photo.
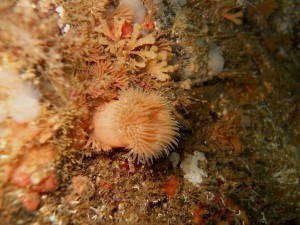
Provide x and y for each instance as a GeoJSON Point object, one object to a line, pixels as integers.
{"type": "Point", "coordinates": [171, 186]}
{"type": "Point", "coordinates": [127, 29]}
{"type": "Point", "coordinates": [105, 185]}
{"type": "Point", "coordinates": [48, 184]}
{"type": "Point", "coordinates": [21, 179]}
{"type": "Point", "coordinates": [31, 201]}
{"type": "Point", "coordinates": [149, 25]}
{"type": "Point", "coordinates": [239, 213]}
{"type": "Point", "coordinates": [198, 212]}
{"type": "Point", "coordinates": [35, 168]}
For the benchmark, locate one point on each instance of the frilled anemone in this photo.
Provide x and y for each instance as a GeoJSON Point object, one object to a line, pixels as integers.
{"type": "Point", "coordinates": [139, 121]}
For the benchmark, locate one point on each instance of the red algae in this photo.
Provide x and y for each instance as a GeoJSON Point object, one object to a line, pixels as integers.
{"type": "Point", "coordinates": [198, 212]}
{"type": "Point", "coordinates": [31, 201]}
{"type": "Point", "coordinates": [171, 186]}
{"type": "Point", "coordinates": [48, 184]}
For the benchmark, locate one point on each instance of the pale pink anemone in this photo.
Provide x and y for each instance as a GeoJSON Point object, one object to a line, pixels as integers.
{"type": "Point", "coordinates": [139, 121]}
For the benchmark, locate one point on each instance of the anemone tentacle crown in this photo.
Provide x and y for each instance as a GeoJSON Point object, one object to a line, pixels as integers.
{"type": "Point", "coordinates": [139, 121]}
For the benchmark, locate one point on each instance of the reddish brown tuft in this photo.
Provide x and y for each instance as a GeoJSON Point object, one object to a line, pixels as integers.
{"type": "Point", "coordinates": [224, 133]}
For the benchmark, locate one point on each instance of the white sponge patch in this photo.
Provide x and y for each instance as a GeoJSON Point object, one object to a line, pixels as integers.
{"type": "Point", "coordinates": [20, 99]}
{"type": "Point", "coordinates": [192, 172]}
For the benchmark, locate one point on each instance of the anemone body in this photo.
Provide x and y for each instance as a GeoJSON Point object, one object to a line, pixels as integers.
{"type": "Point", "coordinates": [139, 121]}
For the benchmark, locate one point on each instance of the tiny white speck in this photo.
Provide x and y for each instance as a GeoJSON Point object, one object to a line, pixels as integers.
{"type": "Point", "coordinates": [59, 10]}
{"type": "Point", "coordinates": [65, 29]}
